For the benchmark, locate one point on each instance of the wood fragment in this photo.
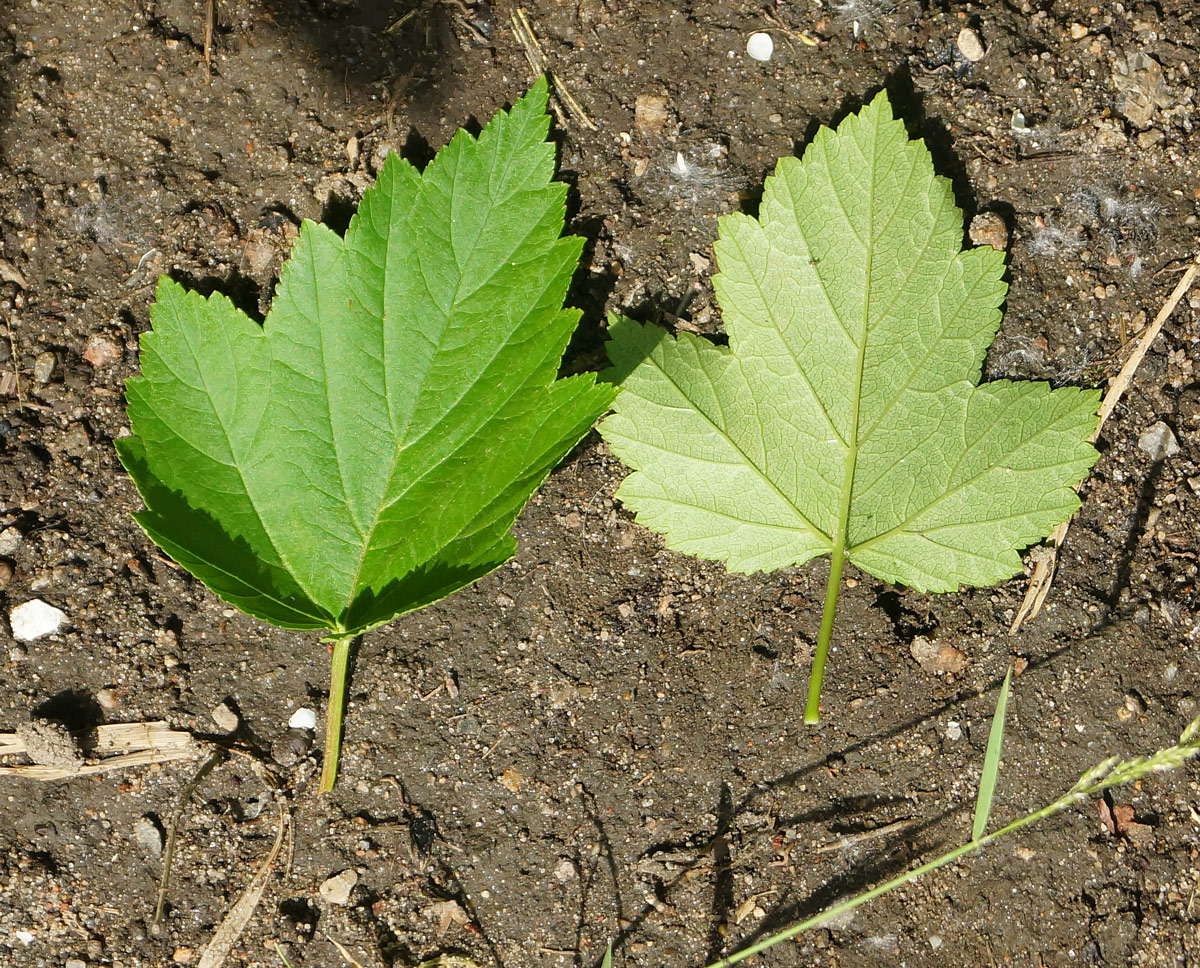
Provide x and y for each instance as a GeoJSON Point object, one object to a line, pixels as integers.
{"type": "Point", "coordinates": [113, 747]}
{"type": "Point", "coordinates": [164, 882]}
{"type": "Point", "coordinates": [1046, 562]}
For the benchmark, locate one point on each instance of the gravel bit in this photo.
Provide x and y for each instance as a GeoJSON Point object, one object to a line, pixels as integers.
{"type": "Point", "coordinates": [226, 717]}
{"type": "Point", "coordinates": [10, 541]}
{"type": "Point", "coordinates": [34, 619]}
{"type": "Point", "coordinates": [970, 45]}
{"type": "Point", "coordinates": [336, 889]}
{"type": "Point", "coordinates": [303, 718]}
{"type": "Point", "coordinates": [148, 835]}
{"type": "Point", "coordinates": [290, 748]}
{"type": "Point", "coordinates": [1158, 440]}
{"type": "Point", "coordinates": [938, 659]}
{"type": "Point", "coordinates": [43, 367]}
{"type": "Point", "coordinates": [49, 743]}
{"type": "Point", "coordinates": [760, 46]}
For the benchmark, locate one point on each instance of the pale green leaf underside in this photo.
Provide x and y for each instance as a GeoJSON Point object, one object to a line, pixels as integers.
{"type": "Point", "coordinates": [845, 408]}
{"type": "Point", "coordinates": [366, 450]}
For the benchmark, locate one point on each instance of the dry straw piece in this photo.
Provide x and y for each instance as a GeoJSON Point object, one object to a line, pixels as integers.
{"type": "Point", "coordinates": [1045, 557]}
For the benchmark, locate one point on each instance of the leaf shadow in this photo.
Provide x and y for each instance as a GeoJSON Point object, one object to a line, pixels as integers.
{"type": "Point", "coordinates": [1111, 599]}
{"type": "Point", "coordinates": [895, 852]}
{"type": "Point", "coordinates": [246, 294]}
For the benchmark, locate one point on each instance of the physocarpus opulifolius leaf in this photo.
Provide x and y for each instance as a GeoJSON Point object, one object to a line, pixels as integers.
{"type": "Point", "coordinates": [844, 417]}
{"type": "Point", "coordinates": [365, 451]}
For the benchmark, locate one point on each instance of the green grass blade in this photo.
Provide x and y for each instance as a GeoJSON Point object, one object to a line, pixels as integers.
{"type": "Point", "coordinates": [991, 762]}
{"type": "Point", "coordinates": [607, 962]}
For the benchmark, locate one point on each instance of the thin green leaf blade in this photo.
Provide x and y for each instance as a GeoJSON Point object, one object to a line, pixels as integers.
{"type": "Point", "coordinates": [366, 450]}
{"type": "Point", "coordinates": [991, 761]}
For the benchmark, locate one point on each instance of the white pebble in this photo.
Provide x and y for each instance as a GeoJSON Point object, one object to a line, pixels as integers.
{"type": "Point", "coordinates": [10, 541]}
{"type": "Point", "coordinates": [34, 619]}
{"type": "Point", "coordinates": [760, 46]}
{"type": "Point", "coordinates": [336, 890]}
{"type": "Point", "coordinates": [970, 45]}
{"type": "Point", "coordinates": [953, 731]}
{"type": "Point", "coordinates": [1158, 440]}
{"type": "Point", "coordinates": [226, 717]}
{"type": "Point", "coordinates": [148, 835]}
{"type": "Point", "coordinates": [303, 718]}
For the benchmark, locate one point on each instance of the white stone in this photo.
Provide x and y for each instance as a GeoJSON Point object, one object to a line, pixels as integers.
{"type": "Point", "coordinates": [10, 541]}
{"type": "Point", "coordinates": [1158, 440]}
{"type": "Point", "coordinates": [760, 46]}
{"type": "Point", "coordinates": [970, 45]}
{"type": "Point", "coordinates": [336, 889]}
{"type": "Point", "coordinates": [953, 731]}
{"type": "Point", "coordinates": [226, 717]}
{"type": "Point", "coordinates": [303, 718]}
{"type": "Point", "coordinates": [34, 619]}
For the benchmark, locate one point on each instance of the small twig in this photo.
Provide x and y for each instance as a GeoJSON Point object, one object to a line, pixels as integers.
{"type": "Point", "coordinates": [343, 951]}
{"type": "Point", "coordinates": [16, 370]}
{"type": "Point", "coordinates": [235, 921]}
{"type": "Point", "coordinates": [1046, 558]}
{"type": "Point", "coordinates": [853, 840]}
{"type": "Point", "coordinates": [217, 756]}
{"type": "Point", "coordinates": [210, 24]}
{"type": "Point", "coordinates": [537, 63]}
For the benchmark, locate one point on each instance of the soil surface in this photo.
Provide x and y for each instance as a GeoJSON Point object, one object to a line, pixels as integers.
{"type": "Point", "coordinates": [603, 739]}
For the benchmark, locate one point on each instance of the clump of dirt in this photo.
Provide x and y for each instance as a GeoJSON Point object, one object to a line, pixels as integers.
{"type": "Point", "coordinates": [602, 740]}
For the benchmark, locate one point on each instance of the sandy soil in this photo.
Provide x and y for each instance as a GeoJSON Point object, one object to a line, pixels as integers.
{"type": "Point", "coordinates": [602, 740]}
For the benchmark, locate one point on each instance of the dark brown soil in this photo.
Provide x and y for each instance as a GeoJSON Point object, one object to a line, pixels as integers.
{"type": "Point", "coordinates": [602, 740]}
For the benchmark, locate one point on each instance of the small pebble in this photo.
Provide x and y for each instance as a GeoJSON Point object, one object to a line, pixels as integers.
{"type": "Point", "coordinates": [48, 743]}
{"type": "Point", "coordinates": [937, 659]}
{"type": "Point", "coordinates": [43, 367]}
{"type": "Point", "coordinates": [651, 113]}
{"type": "Point", "coordinates": [75, 963]}
{"type": "Point", "coordinates": [34, 619]}
{"type": "Point", "coordinates": [101, 351]}
{"type": "Point", "coordinates": [970, 45]}
{"type": "Point", "coordinates": [183, 956]}
{"type": "Point", "coordinates": [336, 889]}
{"type": "Point", "coordinates": [75, 442]}
{"type": "Point", "coordinates": [988, 228]}
{"type": "Point", "coordinates": [226, 717]}
{"type": "Point", "coordinates": [953, 731]}
{"type": "Point", "coordinates": [760, 46]}
{"type": "Point", "coordinates": [290, 748]}
{"type": "Point", "coordinates": [1158, 440]}
{"type": "Point", "coordinates": [1078, 31]}
{"type": "Point", "coordinates": [148, 835]}
{"type": "Point", "coordinates": [10, 541]}
{"type": "Point", "coordinates": [18, 653]}
{"type": "Point", "coordinates": [303, 718]}
{"type": "Point", "coordinates": [107, 698]}
{"type": "Point", "coordinates": [6, 573]}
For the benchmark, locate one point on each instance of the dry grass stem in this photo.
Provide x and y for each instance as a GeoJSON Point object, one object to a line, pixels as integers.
{"type": "Point", "coordinates": [1046, 558]}
{"type": "Point", "coordinates": [537, 63]}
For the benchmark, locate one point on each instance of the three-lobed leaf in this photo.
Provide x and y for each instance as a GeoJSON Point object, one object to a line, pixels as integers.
{"type": "Point", "coordinates": [844, 416]}
{"type": "Point", "coordinates": [365, 451]}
